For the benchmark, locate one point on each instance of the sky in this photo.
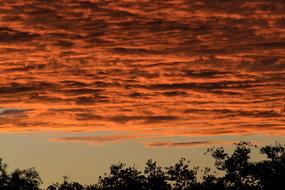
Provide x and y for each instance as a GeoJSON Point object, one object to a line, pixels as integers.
{"type": "Point", "coordinates": [95, 82]}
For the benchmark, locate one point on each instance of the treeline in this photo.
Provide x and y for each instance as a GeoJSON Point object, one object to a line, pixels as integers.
{"type": "Point", "coordinates": [233, 171]}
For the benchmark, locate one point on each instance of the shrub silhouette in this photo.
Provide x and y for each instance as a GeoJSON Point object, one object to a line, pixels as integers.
{"type": "Point", "coordinates": [236, 172]}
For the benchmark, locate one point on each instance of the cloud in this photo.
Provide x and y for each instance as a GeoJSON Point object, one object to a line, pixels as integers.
{"type": "Point", "coordinates": [236, 113]}
{"type": "Point", "coordinates": [87, 116]}
{"type": "Point", "coordinates": [199, 68]}
{"type": "Point", "coordinates": [207, 73]}
{"type": "Point", "coordinates": [12, 116]}
{"type": "Point", "coordinates": [130, 51]}
{"type": "Point", "coordinates": [81, 91]}
{"type": "Point", "coordinates": [98, 139]}
{"type": "Point", "coordinates": [144, 119]}
{"type": "Point", "coordinates": [11, 111]}
{"type": "Point", "coordinates": [208, 85]}
{"type": "Point", "coordinates": [87, 100]}
{"type": "Point", "coordinates": [142, 139]}
{"type": "Point", "coordinates": [175, 93]}
{"type": "Point", "coordinates": [65, 43]}
{"type": "Point", "coordinates": [14, 88]}
{"type": "Point", "coordinates": [180, 144]}
{"type": "Point", "coordinates": [269, 63]}
{"type": "Point", "coordinates": [10, 35]}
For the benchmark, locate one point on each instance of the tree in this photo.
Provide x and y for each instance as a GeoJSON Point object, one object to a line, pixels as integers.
{"type": "Point", "coordinates": [156, 178]}
{"type": "Point", "coordinates": [25, 179]}
{"type": "Point", "coordinates": [182, 177]}
{"type": "Point", "coordinates": [67, 184]}
{"type": "Point", "coordinates": [239, 171]}
{"type": "Point", "coordinates": [4, 178]}
{"type": "Point", "coordinates": [93, 187]}
{"type": "Point", "coordinates": [210, 181]}
{"type": "Point", "coordinates": [271, 172]}
{"type": "Point", "coordinates": [122, 178]}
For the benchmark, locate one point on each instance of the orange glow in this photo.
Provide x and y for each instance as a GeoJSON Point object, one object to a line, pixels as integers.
{"type": "Point", "coordinates": [153, 70]}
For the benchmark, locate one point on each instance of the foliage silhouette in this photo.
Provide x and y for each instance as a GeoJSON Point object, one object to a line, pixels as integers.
{"type": "Point", "coordinates": [233, 171]}
{"type": "Point", "coordinates": [122, 178]}
{"type": "Point", "coordinates": [66, 185]}
{"type": "Point", "coordinates": [156, 178]}
{"type": "Point", "coordinates": [271, 172]}
{"type": "Point", "coordinates": [181, 176]}
{"type": "Point", "coordinates": [238, 169]}
{"type": "Point", "coordinates": [27, 179]}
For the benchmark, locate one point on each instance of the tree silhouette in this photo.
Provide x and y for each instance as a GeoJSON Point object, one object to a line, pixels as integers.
{"type": "Point", "coordinates": [66, 185]}
{"type": "Point", "coordinates": [25, 179]}
{"type": "Point", "coordinates": [271, 172]}
{"type": "Point", "coordinates": [28, 179]}
{"type": "Point", "coordinates": [210, 181]}
{"type": "Point", "coordinates": [156, 178]}
{"type": "Point", "coordinates": [233, 171]}
{"type": "Point", "coordinates": [122, 178]}
{"type": "Point", "coordinates": [4, 178]}
{"type": "Point", "coordinates": [239, 171]}
{"type": "Point", "coordinates": [182, 177]}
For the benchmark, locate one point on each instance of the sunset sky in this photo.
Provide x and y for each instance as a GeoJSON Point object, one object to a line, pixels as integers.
{"type": "Point", "coordinates": [88, 83]}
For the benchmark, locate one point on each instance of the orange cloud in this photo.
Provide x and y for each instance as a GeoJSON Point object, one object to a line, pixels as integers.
{"type": "Point", "coordinates": [184, 143]}
{"type": "Point", "coordinates": [95, 140]}
{"type": "Point", "coordinates": [166, 68]}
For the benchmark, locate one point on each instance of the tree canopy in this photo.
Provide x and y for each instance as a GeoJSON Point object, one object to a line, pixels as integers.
{"type": "Point", "coordinates": [236, 172]}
